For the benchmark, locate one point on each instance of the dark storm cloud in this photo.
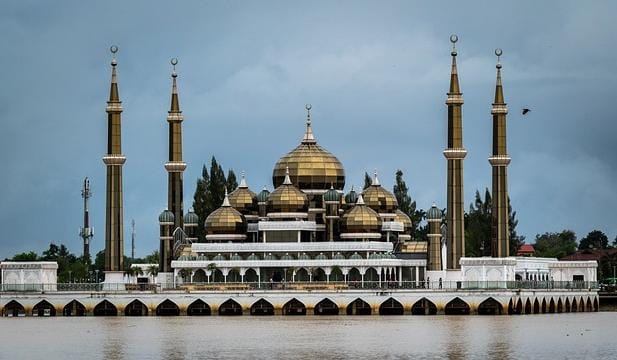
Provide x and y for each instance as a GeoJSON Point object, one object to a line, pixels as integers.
{"type": "Point", "coordinates": [376, 74]}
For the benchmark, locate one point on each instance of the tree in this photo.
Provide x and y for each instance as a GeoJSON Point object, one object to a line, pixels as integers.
{"type": "Point", "coordinates": [478, 224]}
{"type": "Point", "coordinates": [515, 240]}
{"type": "Point", "coordinates": [555, 245]}
{"type": "Point", "coordinates": [406, 205]}
{"type": "Point", "coordinates": [594, 240]}
{"type": "Point", "coordinates": [210, 191]}
{"type": "Point", "coordinates": [367, 181]}
{"type": "Point", "coordinates": [615, 242]}
{"type": "Point", "coordinates": [26, 256]}
{"type": "Point", "coordinates": [153, 258]}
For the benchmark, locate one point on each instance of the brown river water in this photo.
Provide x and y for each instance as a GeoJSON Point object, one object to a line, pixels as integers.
{"type": "Point", "coordinates": [546, 336]}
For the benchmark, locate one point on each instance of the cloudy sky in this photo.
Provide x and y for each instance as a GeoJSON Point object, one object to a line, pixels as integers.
{"type": "Point", "coordinates": [376, 74]}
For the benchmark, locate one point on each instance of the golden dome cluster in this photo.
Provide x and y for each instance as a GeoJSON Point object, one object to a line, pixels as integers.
{"type": "Point", "coordinates": [243, 199]}
{"type": "Point", "coordinates": [287, 198]}
{"type": "Point", "coordinates": [378, 198]}
{"type": "Point", "coordinates": [361, 219]}
{"type": "Point", "coordinates": [225, 221]}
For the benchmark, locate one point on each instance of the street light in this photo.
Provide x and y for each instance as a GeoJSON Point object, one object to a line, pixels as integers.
{"type": "Point", "coordinates": [97, 276]}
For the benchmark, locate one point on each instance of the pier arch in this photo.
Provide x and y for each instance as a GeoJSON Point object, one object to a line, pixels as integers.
{"type": "Point", "coordinates": [13, 308]}
{"type": "Point", "coordinates": [294, 307]}
{"type": "Point", "coordinates": [359, 307]}
{"type": "Point", "coordinates": [391, 307]}
{"type": "Point", "coordinates": [230, 308]}
{"type": "Point", "coordinates": [105, 308]}
{"type": "Point", "coordinates": [136, 308]}
{"type": "Point", "coordinates": [536, 306]}
{"type": "Point", "coordinates": [262, 307]}
{"type": "Point", "coordinates": [326, 307]}
{"type": "Point", "coordinates": [566, 307]}
{"type": "Point", "coordinates": [424, 307]}
{"type": "Point", "coordinates": [528, 306]}
{"type": "Point", "coordinates": [74, 308]}
{"type": "Point", "coordinates": [167, 308]}
{"type": "Point", "coordinates": [515, 307]}
{"type": "Point", "coordinates": [198, 308]}
{"type": "Point", "coordinates": [589, 306]}
{"type": "Point", "coordinates": [595, 304]}
{"type": "Point", "coordinates": [574, 307]}
{"type": "Point", "coordinates": [43, 308]}
{"type": "Point", "coordinates": [491, 306]}
{"type": "Point", "coordinates": [551, 306]}
{"type": "Point", "coordinates": [559, 306]}
{"type": "Point", "coordinates": [457, 307]}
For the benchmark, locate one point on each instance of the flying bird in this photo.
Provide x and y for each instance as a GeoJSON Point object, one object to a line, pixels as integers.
{"type": "Point", "coordinates": [525, 111]}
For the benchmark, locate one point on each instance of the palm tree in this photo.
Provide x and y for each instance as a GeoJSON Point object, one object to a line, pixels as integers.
{"type": "Point", "coordinates": [211, 268]}
{"type": "Point", "coordinates": [153, 270]}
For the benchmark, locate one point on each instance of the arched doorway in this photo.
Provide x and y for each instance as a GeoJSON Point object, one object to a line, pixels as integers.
{"type": "Point", "coordinates": [167, 308]}
{"type": "Point", "coordinates": [43, 308]}
{"type": "Point", "coordinates": [336, 274]}
{"type": "Point", "coordinates": [559, 306]}
{"type": "Point", "coordinates": [457, 307]}
{"type": "Point", "coordinates": [536, 306]}
{"type": "Point", "coordinates": [13, 309]}
{"type": "Point", "coordinates": [589, 306]}
{"type": "Point", "coordinates": [74, 308]}
{"type": "Point", "coordinates": [326, 307]}
{"type": "Point", "coordinates": [198, 308]}
{"type": "Point", "coordinates": [528, 306]}
{"type": "Point", "coordinates": [230, 308]}
{"type": "Point", "coordinates": [595, 304]}
{"type": "Point", "coordinates": [251, 276]}
{"type": "Point", "coordinates": [262, 307]}
{"type": "Point", "coordinates": [358, 307]}
{"type": "Point", "coordinates": [391, 307]}
{"type": "Point", "coordinates": [581, 305]}
{"type": "Point", "coordinates": [354, 275]}
{"type": "Point", "coordinates": [491, 306]}
{"type": "Point", "coordinates": [574, 307]}
{"type": "Point", "coordinates": [136, 308]}
{"type": "Point", "coordinates": [319, 274]}
{"type": "Point", "coordinates": [217, 276]}
{"type": "Point", "coordinates": [566, 307]}
{"type": "Point", "coordinates": [105, 308]}
{"type": "Point", "coordinates": [544, 306]}
{"type": "Point", "coordinates": [302, 275]}
{"type": "Point", "coordinates": [294, 307]}
{"type": "Point", "coordinates": [424, 307]}
{"type": "Point", "coordinates": [200, 276]}
{"type": "Point", "coordinates": [234, 276]}
{"type": "Point", "coordinates": [371, 278]}
{"type": "Point", "coordinates": [551, 306]}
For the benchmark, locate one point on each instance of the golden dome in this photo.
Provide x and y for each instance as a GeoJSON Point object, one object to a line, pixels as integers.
{"type": "Point", "coordinates": [287, 199]}
{"type": "Point", "coordinates": [243, 199]}
{"type": "Point", "coordinates": [379, 199]}
{"type": "Point", "coordinates": [225, 221]}
{"type": "Point", "coordinates": [405, 220]}
{"type": "Point", "coordinates": [361, 219]}
{"type": "Point", "coordinates": [311, 167]}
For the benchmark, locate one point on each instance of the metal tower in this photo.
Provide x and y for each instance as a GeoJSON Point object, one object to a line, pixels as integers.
{"type": "Point", "coordinates": [86, 232]}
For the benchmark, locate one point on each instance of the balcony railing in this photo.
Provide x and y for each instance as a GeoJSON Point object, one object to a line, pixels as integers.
{"type": "Point", "coordinates": [301, 285]}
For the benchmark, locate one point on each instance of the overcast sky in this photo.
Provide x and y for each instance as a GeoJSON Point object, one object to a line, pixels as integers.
{"type": "Point", "coordinates": [376, 74]}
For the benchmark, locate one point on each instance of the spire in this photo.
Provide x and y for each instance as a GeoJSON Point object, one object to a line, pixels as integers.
{"type": "Point", "coordinates": [114, 96]}
{"type": "Point", "coordinates": [360, 200]}
{"type": "Point", "coordinates": [226, 200]}
{"type": "Point", "coordinates": [454, 87]}
{"type": "Point", "coordinates": [375, 181]}
{"type": "Point", "coordinates": [308, 135]}
{"type": "Point", "coordinates": [498, 87]}
{"type": "Point", "coordinates": [287, 180]}
{"type": "Point", "coordinates": [243, 184]}
{"type": "Point", "coordinates": [175, 104]}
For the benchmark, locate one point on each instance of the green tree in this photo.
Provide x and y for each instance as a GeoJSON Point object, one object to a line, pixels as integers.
{"type": "Point", "coordinates": [594, 240]}
{"type": "Point", "coordinates": [408, 206]}
{"type": "Point", "coordinates": [555, 245]}
{"type": "Point", "coordinates": [200, 201]}
{"type": "Point", "coordinates": [516, 240]}
{"type": "Point", "coordinates": [478, 226]}
{"type": "Point", "coordinates": [367, 181]}
{"type": "Point", "coordinates": [231, 183]}
{"type": "Point", "coordinates": [153, 258]}
{"type": "Point", "coordinates": [26, 256]}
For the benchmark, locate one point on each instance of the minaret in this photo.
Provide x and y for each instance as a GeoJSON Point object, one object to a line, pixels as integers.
{"type": "Point", "coordinates": [500, 239]}
{"type": "Point", "coordinates": [114, 228]}
{"type": "Point", "coordinates": [175, 166]}
{"type": "Point", "coordinates": [455, 153]}
{"type": "Point", "coordinates": [86, 232]}
{"type": "Point", "coordinates": [433, 216]}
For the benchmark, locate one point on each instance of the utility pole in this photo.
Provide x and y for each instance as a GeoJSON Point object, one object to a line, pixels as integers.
{"type": "Point", "coordinates": [86, 232]}
{"type": "Point", "coordinates": [132, 239]}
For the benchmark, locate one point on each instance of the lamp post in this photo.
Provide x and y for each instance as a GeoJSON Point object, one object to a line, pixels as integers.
{"type": "Point", "coordinates": [96, 272]}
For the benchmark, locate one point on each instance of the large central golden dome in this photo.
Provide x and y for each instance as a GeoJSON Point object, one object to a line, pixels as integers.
{"type": "Point", "coordinates": [311, 167]}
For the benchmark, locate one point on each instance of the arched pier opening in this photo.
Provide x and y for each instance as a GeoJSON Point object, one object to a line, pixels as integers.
{"type": "Point", "coordinates": [74, 308]}
{"type": "Point", "coordinates": [424, 307]}
{"type": "Point", "coordinates": [262, 307]}
{"type": "Point", "coordinates": [167, 308]}
{"type": "Point", "coordinates": [230, 308]}
{"type": "Point", "coordinates": [391, 307]}
{"type": "Point", "coordinates": [359, 307]}
{"type": "Point", "coordinates": [105, 308]}
{"type": "Point", "coordinates": [457, 307]}
{"type": "Point", "coordinates": [294, 307]}
{"type": "Point", "coordinates": [13, 309]}
{"type": "Point", "coordinates": [136, 308]}
{"type": "Point", "coordinates": [326, 307]}
{"type": "Point", "coordinates": [43, 308]}
{"type": "Point", "coordinates": [198, 308]}
{"type": "Point", "coordinates": [491, 306]}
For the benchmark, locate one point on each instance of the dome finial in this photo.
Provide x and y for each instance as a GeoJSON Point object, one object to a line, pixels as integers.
{"type": "Point", "coordinates": [175, 103]}
{"type": "Point", "coordinates": [308, 138]}
{"type": "Point", "coordinates": [498, 86]}
{"type": "Point", "coordinates": [114, 50]}
{"type": "Point", "coordinates": [287, 180]}
{"type": "Point", "coordinates": [360, 200]}
{"type": "Point", "coordinates": [226, 200]}
{"type": "Point", "coordinates": [243, 181]}
{"type": "Point", "coordinates": [375, 179]}
{"type": "Point", "coordinates": [174, 62]}
{"type": "Point", "coordinates": [453, 40]}
{"type": "Point", "coordinates": [114, 95]}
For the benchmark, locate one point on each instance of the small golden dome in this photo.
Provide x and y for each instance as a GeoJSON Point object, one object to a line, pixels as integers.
{"type": "Point", "coordinates": [378, 198]}
{"type": "Point", "coordinates": [243, 199]}
{"type": "Point", "coordinates": [225, 221]}
{"type": "Point", "coordinates": [287, 198]}
{"type": "Point", "coordinates": [405, 220]}
{"type": "Point", "coordinates": [360, 219]}
{"type": "Point", "coordinates": [311, 167]}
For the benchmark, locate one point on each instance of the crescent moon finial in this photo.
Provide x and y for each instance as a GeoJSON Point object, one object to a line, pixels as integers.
{"type": "Point", "coordinates": [498, 52]}
{"type": "Point", "coordinates": [174, 62]}
{"type": "Point", "coordinates": [114, 50]}
{"type": "Point", "coordinates": [453, 40]}
{"type": "Point", "coordinates": [308, 107]}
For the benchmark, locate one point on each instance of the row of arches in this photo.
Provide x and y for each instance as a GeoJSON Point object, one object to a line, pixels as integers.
{"type": "Point", "coordinates": [391, 306]}
{"type": "Point", "coordinates": [301, 274]}
{"type": "Point", "coordinates": [551, 306]}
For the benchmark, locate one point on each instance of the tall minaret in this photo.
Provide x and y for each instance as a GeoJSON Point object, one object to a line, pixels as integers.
{"type": "Point", "coordinates": [175, 166]}
{"type": "Point", "coordinates": [114, 239]}
{"type": "Point", "coordinates": [455, 153]}
{"type": "Point", "coordinates": [500, 239]}
{"type": "Point", "coordinates": [86, 232]}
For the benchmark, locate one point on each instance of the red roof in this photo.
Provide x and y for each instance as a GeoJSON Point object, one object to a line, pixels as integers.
{"type": "Point", "coordinates": [526, 248]}
{"type": "Point", "coordinates": [590, 254]}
